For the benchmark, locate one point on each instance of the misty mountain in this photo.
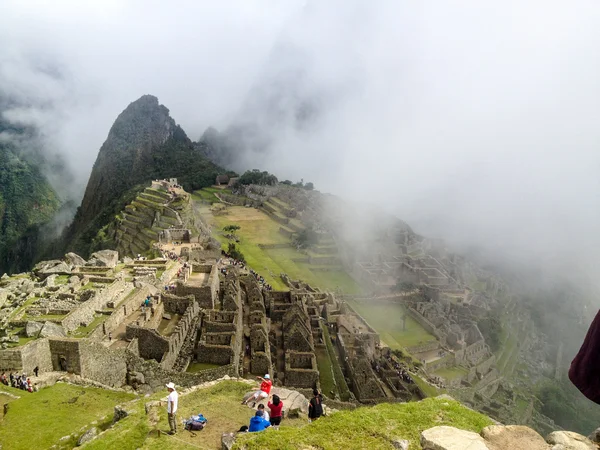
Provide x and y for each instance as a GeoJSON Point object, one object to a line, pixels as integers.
{"type": "Point", "coordinates": [27, 200]}
{"type": "Point", "coordinates": [144, 143]}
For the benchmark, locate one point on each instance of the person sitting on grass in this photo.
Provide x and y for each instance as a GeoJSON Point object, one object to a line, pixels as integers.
{"type": "Point", "coordinates": [276, 410]}
{"type": "Point", "coordinates": [261, 407]}
{"type": "Point", "coordinates": [263, 392]}
{"type": "Point", "coordinates": [258, 423]}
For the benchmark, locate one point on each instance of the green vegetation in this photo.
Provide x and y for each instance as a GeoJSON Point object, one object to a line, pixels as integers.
{"type": "Point", "coordinates": [386, 319]}
{"type": "Point", "coordinates": [27, 201]}
{"type": "Point", "coordinates": [258, 229]}
{"type": "Point", "coordinates": [370, 428]}
{"type": "Point", "coordinates": [255, 176]}
{"type": "Point", "coordinates": [343, 390]}
{"type": "Point", "coordinates": [44, 417]}
{"type": "Point", "coordinates": [198, 367]}
{"type": "Point", "coordinates": [325, 372]}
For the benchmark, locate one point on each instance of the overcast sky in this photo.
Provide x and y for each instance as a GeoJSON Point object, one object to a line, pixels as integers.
{"type": "Point", "coordinates": [472, 121]}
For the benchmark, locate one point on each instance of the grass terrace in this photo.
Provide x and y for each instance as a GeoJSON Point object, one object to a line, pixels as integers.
{"type": "Point", "coordinates": [199, 367]}
{"type": "Point", "coordinates": [386, 319]}
{"type": "Point", "coordinates": [43, 417]}
{"type": "Point", "coordinates": [257, 229]}
{"type": "Point", "coordinates": [369, 428]}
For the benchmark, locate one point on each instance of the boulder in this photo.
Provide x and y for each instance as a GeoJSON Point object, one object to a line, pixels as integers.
{"type": "Point", "coordinates": [227, 441]}
{"type": "Point", "coordinates": [594, 437]}
{"type": "Point", "coordinates": [32, 329]}
{"type": "Point", "coordinates": [104, 258]}
{"type": "Point", "coordinates": [13, 338]}
{"type": "Point", "coordinates": [88, 436]}
{"type": "Point", "coordinates": [127, 260]}
{"type": "Point", "coordinates": [498, 437]}
{"type": "Point", "coordinates": [45, 268]}
{"type": "Point", "coordinates": [74, 259]}
{"type": "Point", "coordinates": [568, 440]}
{"type": "Point", "coordinates": [400, 444]}
{"type": "Point", "coordinates": [3, 297]}
{"type": "Point", "coordinates": [119, 414]}
{"type": "Point", "coordinates": [51, 329]}
{"type": "Point", "coordinates": [450, 438]}
{"type": "Point", "coordinates": [50, 281]}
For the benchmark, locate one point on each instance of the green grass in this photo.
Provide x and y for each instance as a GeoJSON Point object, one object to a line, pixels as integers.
{"type": "Point", "coordinates": [451, 373]}
{"type": "Point", "coordinates": [387, 321]}
{"type": "Point", "coordinates": [84, 331]}
{"type": "Point", "coordinates": [44, 417]}
{"type": "Point", "coordinates": [369, 428]}
{"type": "Point", "coordinates": [325, 372]}
{"type": "Point", "coordinates": [197, 367]}
{"type": "Point", "coordinates": [343, 390]}
{"type": "Point", "coordinates": [61, 279]}
{"type": "Point", "coordinates": [258, 228]}
{"type": "Point", "coordinates": [428, 389]}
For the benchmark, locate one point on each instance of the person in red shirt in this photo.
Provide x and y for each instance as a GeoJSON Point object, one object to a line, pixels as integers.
{"type": "Point", "coordinates": [276, 408]}
{"type": "Point", "coordinates": [264, 391]}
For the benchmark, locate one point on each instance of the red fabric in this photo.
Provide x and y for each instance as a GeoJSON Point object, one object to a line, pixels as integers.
{"type": "Point", "coordinates": [585, 368]}
{"type": "Point", "coordinates": [275, 409]}
{"type": "Point", "coordinates": [265, 386]}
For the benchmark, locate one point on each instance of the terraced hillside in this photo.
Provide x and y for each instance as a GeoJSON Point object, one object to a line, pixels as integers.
{"type": "Point", "coordinates": [144, 218]}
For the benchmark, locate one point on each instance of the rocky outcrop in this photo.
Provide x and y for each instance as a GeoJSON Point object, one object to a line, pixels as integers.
{"type": "Point", "coordinates": [568, 440]}
{"type": "Point", "coordinates": [500, 437]}
{"type": "Point", "coordinates": [45, 268]}
{"type": "Point", "coordinates": [104, 258]}
{"type": "Point", "coordinates": [51, 329]}
{"type": "Point", "coordinates": [450, 438]}
{"type": "Point", "coordinates": [32, 329]}
{"type": "Point", "coordinates": [88, 436]}
{"type": "Point", "coordinates": [74, 259]}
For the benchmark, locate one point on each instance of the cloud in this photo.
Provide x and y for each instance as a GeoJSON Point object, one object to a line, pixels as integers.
{"type": "Point", "coordinates": [475, 122]}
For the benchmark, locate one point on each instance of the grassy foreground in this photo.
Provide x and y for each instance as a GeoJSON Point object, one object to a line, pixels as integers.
{"type": "Point", "coordinates": [369, 428]}
{"type": "Point", "coordinates": [40, 419]}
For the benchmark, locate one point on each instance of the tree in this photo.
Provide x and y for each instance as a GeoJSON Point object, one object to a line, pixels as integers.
{"type": "Point", "coordinates": [309, 186]}
{"type": "Point", "coordinates": [306, 239]}
{"type": "Point", "coordinates": [288, 182]}
{"type": "Point", "coordinates": [235, 253]}
{"type": "Point", "coordinates": [231, 228]}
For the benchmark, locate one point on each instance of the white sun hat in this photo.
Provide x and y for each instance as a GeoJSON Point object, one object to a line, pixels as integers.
{"type": "Point", "coordinates": [267, 377]}
{"type": "Point", "coordinates": [170, 385]}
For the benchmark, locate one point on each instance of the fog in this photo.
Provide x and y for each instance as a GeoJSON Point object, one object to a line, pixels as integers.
{"type": "Point", "coordinates": [474, 122]}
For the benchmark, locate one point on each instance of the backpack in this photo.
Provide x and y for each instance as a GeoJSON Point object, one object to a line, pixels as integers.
{"type": "Point", "coordinates": [196, 423]}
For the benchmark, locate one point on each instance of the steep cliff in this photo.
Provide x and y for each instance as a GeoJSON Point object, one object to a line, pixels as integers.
{"type": "Point", "coordinates": [27, 201]}
{"type": "Point", "coordinates": [143, 144]}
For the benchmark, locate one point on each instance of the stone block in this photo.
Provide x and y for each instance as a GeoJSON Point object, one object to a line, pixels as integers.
{"type": "Point", "coordinates": [88, 436]}
{"type": "Point", "coordinates": [74, 259]}
{"type": "Point", "coordinates": [51, 329]}
{"type": "Point", "coordinates": [227, 441]}
{"type": "Point", "coordinates": [32, 329]}
{"type": "Point", "coordinates": [104, 258]}
{"type": "Point", "coordinates": [498, 437]}
{"type": "Point", "coordinates": [450, 438]}
{"type": "Point", "coordinates": [568, 440]}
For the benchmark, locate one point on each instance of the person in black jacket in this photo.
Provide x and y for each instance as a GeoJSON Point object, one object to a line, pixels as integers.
{"type": "Point", "coordinates": [315, 406]}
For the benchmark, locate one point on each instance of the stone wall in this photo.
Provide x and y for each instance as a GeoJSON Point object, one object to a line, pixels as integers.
{"type": "Point", "coordinates": [121, 312]}
{"type": "Point", "coordinates": [176, 304]}
{"type": "Point", "coordinates": [101, 364]}
{"type": "Point", "coordinates": [65, 351]}
{"type": "Point", "coordinates": [84, 313]}
{"type": "Point", "coordinates": [11, 360]}
{"type": "Point", "coordinates": [177, 338]}
{"type": "Point", "coordinates": [301, 369]}
{"type": "Point", "coordinates": [36, 354]}
{"type": "Point", "coordinates": [205, 295]}
{"type": "Point", "coordinates": [151, 345]}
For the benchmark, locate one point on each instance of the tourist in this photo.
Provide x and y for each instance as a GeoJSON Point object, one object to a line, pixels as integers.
{"type": "Point", "coordinates": [276, 410]}
{"type": "Point", "coordinates": [3, 379]}
{"type": "Point", "coordinates": [261, 407]}
{"type": "Point", "coordinates": [315, 406]}
{"type": "Point", "coordinates": [172, 401]}
{"type": "Point", "coordinates": [36, 370]}
{"type": "Point", "coordinates": [264, 391]}
{"type": "Point", "coordinates": [258, 423]}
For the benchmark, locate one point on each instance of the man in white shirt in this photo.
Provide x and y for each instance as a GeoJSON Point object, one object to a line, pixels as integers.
{"type": "Point", "coordinates": [172, 401]}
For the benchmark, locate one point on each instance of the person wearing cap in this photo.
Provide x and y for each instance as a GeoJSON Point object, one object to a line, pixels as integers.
{"type": "Point", "coordinates": [172, 401]}
{"type": "Point", "coordinates": [258, 422]}
{"type": "Point", "coordinates": [264, 391]}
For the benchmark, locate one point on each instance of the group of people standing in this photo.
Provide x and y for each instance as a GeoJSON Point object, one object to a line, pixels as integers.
{"type": "Point", "coordinates": [261, 419]}
{"type": "Point", "coordinates": [17, 381]}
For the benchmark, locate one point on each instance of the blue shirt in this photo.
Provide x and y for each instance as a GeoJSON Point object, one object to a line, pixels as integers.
{"type": "Point", "coordinates": [258, 424]}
